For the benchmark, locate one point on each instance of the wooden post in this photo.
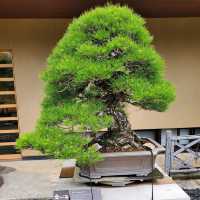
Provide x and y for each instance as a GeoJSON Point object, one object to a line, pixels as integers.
{"type": "Point", "coordinates": [168, 152]}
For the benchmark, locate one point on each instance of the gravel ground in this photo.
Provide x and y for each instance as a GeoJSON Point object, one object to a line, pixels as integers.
{"type": "Point", "coordinates": [193, 193]}
{"type": "Point", "coordinates": [188, 183]}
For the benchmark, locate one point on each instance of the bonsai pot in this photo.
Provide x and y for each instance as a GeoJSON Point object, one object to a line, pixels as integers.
{"type": "Point", "coordinates": [138, 163]}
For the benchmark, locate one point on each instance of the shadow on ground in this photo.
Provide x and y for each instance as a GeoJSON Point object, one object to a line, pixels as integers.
{"type": "Point", "coordinates": [6, 170]}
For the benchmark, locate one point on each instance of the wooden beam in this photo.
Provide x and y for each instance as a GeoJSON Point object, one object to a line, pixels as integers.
{"type": "Point", "coordinates": [6, 65]}
{"type": "Point", "coordinates": [7, 92]}
{"type": "Point", "coordinates": [9, 131]}
{"type": "Point", "coordinates": [6, 144]}
{"type": "Point", "coordinates": [70, 9]}
{"type": "Point", "coordinates": [8, 119]}
{"type": "Point", "coordinates": [6, 79]}
{"type": "Point", "coordinates": [7, 157]}
{"type": "Point", "coordinates": [2, 106]}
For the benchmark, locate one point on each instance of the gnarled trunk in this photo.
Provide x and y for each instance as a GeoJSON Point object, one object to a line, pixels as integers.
{"type": "Point", "coordinates": [121, 123]}
{"type": "Point", "coordinates": [119, 136]}
{"type": "Point", "coordinates": [121, 131]}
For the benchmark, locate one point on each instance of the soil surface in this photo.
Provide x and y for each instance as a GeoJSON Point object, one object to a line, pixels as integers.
{"type": "Point", "coordinates": [111, 148]}
{"type": "Point", "coordinates": [193, 193]}
{"type": "Point", "coordinates": [110, 142]}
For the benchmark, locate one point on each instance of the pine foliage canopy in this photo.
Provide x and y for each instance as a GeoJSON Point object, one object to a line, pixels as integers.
{"type": "Point", "coordinates": [104, 59]}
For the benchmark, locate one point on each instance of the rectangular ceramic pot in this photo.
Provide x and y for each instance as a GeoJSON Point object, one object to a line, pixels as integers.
{"type": "Point", "coordinates": [138, 163]}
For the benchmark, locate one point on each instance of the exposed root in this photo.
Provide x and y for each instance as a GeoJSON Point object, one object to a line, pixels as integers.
{"type": "Point", "coordinates": [118, 142]}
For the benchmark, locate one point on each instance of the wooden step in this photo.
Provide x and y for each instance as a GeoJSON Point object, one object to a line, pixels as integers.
{"type": "Point", "coordinates": [7, 157]}
{"type": "Point", "coordinates": [7, 92]}
{"type": "Point", "coordinates": [6, 79]}
{"type": "Point", "coordinates": [9, 131]}
{"type": "Point", "coordinates": [6, 144]}
{"type": "Point", "coordinates": [6, 65]}
{"type": "Point", "coordinates": [8, 106]}
{"type": "Point", "coordinates": [8, 119]}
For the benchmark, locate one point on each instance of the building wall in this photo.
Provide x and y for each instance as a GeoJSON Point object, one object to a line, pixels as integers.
{"type": "Point", "coordinates": [177, 40]}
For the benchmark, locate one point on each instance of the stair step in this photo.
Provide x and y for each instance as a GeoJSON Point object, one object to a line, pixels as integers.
{"type": "Point", "coordinates": [8, 118]}
{"type": "Point", "coordinates": [5, 144]}
{"type": "Point", "coordinates": [7, 92]}
{"type": "Point", "coordinates": [9, 131]}
{"type": "Point", "coordinates": [7, 157]}
{"type": "Point", "coordinates": [6, 79]}
{"type": "Point", "coordinates": [6, 65]}
{"type": "Point", "coordinates": [8, 106]}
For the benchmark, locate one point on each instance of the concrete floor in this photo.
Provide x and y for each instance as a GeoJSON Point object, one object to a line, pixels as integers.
{"type": "Point", "coordinates": [39, 178]}
{"type": "Point", "coordinates": [26, 179]}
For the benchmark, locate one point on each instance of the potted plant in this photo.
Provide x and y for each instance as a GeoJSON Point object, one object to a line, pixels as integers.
{"type": "Point", "coordinates": [104, 61]}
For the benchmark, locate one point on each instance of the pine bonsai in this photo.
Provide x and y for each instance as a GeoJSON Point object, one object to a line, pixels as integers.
{"type": "Point", "coordinates": [104, 60]}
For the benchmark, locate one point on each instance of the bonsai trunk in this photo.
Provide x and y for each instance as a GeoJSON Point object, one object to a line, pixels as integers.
{"type": "Point", "coordinates": [119, 137]}
{"type": "Point", "coordinates": [124, 137]}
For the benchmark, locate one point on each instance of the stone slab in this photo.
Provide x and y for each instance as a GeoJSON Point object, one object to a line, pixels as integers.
{"type": "Point", "coordinates": [28, 154]}
{"type": "Point", "coordinates": [40, 178]}
{"type": "Point", "coordinates": [143, 192]}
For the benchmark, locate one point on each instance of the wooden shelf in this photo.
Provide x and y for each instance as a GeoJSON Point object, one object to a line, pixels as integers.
{"type": "Point", "coordinates": [6, 144]}
{"type": "Point", "coordinates": [7, 157]}
{"type": "Point", "coordinates": [7, 106]}
{"type": "Point", "coordinates": [6, 79]}
{"type": "Point", "coordinates": [6, 65]}
{"type": "Point", "coordinates": [6, 96]}
{"type": "Point", "coordinates": [7, 92]}
{"type": "Point", "coordinates": [9, 131]}
{"type": "Point", "coordinates": [8, 119]}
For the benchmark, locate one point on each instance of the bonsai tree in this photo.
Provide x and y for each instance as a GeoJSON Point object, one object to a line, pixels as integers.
{"type": "Point", "coordinates": [104, 60]}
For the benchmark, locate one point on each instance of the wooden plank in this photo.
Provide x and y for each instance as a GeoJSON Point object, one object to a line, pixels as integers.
{"type": "Point", "coordinates": [6, 157]}
{"type": "Point", "coordinates": [186, 170]}
{"type": "Point", "coordinates": [9, 131]}
{"type": "Point", "coordinates": [6, 65]}
{"type": "Point", "coordinates": [168, 152]}
{"type": "Point", "coordinates": [8, 106]}
{"type": "Point", "coordinates": [7, 92]}
{"type": "Point", "coordinates": [6, 79]}
{"type": "Point", "coordinates": [8, 118]}
{"type": "Point", "coordinates": [5, 50]}
{"type": "Point", "coordinates": [188, 137]}
{"type": "Point", "coordinates": [71, 9]}
{"type": "Point", "coordinates": [5, 144]}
